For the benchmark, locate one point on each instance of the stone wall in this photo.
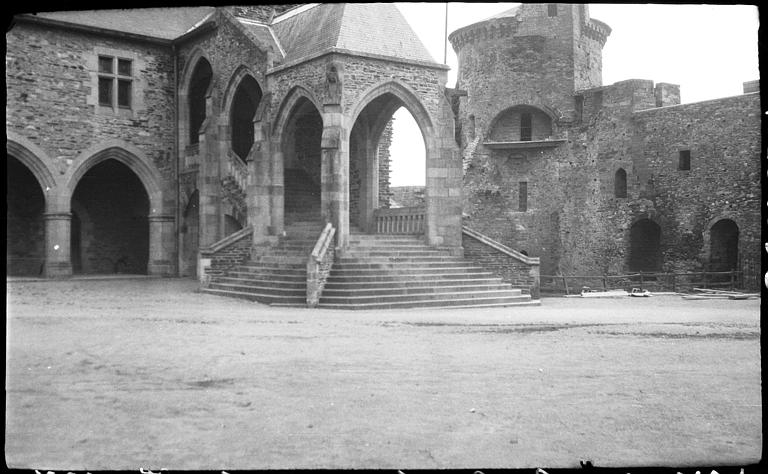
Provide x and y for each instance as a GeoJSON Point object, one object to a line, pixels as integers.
{"type": "Point", "coordinates": [51, 96]}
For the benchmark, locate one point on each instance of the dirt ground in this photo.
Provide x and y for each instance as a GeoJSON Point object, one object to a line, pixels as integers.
{"type": "Point", "coordinates": [122, 374]}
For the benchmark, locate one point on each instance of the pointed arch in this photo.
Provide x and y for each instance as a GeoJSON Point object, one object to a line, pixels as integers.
{"type": "Point", "coordinates": [33, 157]}
{"type": "Point", "coordinates": [125, 153]}
{"type": "Point", "coordinates": [235, 80]}
{"type": "Point", "coordinates": [410, 100]}
{"type": "Point", "coordinates": [286, 107]}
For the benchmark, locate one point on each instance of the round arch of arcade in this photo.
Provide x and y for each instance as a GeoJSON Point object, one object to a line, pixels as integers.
{"type": "Point", "coordinates": [721, 242]}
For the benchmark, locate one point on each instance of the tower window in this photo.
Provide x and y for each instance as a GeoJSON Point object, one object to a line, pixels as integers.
{"type": "Point", "coordinates": [523, 196]}
{"type": "Point", "coordinates": [525, 127]}
{"type": "Point", "coordinates": [684, 163]}
{"type": "Point", "coordinates": [552, 9]}
{"type": "Point", "coordinates": [620, 184]}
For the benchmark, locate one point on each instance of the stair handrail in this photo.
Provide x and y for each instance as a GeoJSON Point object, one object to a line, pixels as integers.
{"type": "Point", "coordinates": [323, 242]}
{"type": "Point", "coordinates": [499, 246]}
{"type": "Point", "coordinates": [319, 265]}
{"type": "Point", "coordinates": [228, 240]}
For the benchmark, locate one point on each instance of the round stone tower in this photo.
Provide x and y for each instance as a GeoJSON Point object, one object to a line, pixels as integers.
{"type": "Point", "coordinates": [533, 56]}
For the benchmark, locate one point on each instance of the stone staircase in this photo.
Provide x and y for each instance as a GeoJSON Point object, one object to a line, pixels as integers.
{"type": "Point", "coordinates": [277, 274]}
{"type": "Point", "coordinates": [382, 271]}
{"type": "Point", "coordinates": [400, 271]}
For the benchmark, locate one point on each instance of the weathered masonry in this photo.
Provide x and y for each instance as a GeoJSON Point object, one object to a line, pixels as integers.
{"type": "Point", "coordinates": [598, 179]}
{"type": "Point", "coordinates": [246, 146]}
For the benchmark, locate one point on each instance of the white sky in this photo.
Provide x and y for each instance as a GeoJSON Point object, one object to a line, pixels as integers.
{"type": "Point", "coordinates": [709, 50]}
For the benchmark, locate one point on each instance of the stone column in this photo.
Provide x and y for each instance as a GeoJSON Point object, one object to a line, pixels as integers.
{"type": "Point", "coordinates": [58, 232]}
{"type": "Point", "coordinates": [209, 181]}
{"type": "Point", "coordinates": [276, 192]}
{"type": "Point", "coordinates": [444, 182]}
{"type": "Point", "coordinates": [161, 247]}
{"type": "Point", "coordinates": [370, 175]}
{"type": "Point", "coordinates": [257, 194]}
{"type": "Point", "coordinates": [335, 177]}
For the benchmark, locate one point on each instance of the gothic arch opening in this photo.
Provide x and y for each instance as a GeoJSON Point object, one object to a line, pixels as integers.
{"type": "Point", "coordinates": [112, 229]}
{"type": "Point", "coordinates": [198, 88]}
{"type": "Point", "coordinates": [387, 168]}
{"type": "Point", "coordinates": [724, 246]}
{"type": "Point", "coordinates": [645, 246]}
{"type": "Point", "coordinates": [521, 123]}
{"type": "Point", "coordinates": [302, 154]}
{"type": "Point", "coordinates": [190, 237]}
{"type": "Point", "coordinates": [244, 105]}
{"type": "Point", "coordinates": [25, 226]}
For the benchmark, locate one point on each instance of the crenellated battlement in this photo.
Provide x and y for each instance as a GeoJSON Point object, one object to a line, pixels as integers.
{"type": "Point", "coordinates": [596, 30]}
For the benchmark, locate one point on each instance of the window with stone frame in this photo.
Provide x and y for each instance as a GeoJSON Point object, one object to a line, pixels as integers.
{"type": "Point", "coordinates": [115, 82]}
{"type": "Point", "coordinates": [684, 161]}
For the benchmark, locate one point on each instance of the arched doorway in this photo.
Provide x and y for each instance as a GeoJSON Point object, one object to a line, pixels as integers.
{"type": "Point", "coordinates": [190, 236]}
{"type": "Point", "coordinates": [244, 105]}
{"type": "Point", "coordinates": [198, 88]}
{"type": "Point", "coordinates": [302, 156]}
{"type": "Point", "coordinates": [25, 227]}
{"type": "Point", "coordinates": [112, 230]}
{"type": "Point", "coordinates": [645, 246]}
{"type": "Point", "coordinates": [387, 169]}
{"type": "Point", "coordinates": [724, 246]}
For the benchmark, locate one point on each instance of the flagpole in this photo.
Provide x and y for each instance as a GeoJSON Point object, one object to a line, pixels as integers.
{"type": "Point", "coordinates": [445, 36]}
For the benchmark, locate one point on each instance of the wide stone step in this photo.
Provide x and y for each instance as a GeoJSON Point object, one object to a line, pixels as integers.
{"type": "Point", "coordinates": [264, 282]}
{"type": "Point", "coordinates": [417, 290]}
{"type": "Point", "coordinates": [405, 266]}
{"type": "Point", "coordinates": [265, 290]}
{"type": "Point", "coordinates": [268, 274]}
{"type": "Point", "coordinates": [362, 238]}
{"type": "Point", "coordinates": [443, 295]}
{"type": "Point", "coordinates": [407, 283]}
{"type": "Point", "coordinates": [262, 298]}
{"type": "Point", "coordinates": [437, 303]}
{"type": "Point", "coordinates": [287, 259]}
{"type": "Point", "coordinates": [395, 257]}
{"type": "Point", "coordinates": [371, 276]}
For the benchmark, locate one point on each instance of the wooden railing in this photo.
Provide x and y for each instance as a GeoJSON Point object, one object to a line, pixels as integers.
{"type": "Point", "coordinates": [674, 282]}
{"type": "Point", "coordinates": [401, 220]}
{"type": "Point", "coordinates": [319, 265]}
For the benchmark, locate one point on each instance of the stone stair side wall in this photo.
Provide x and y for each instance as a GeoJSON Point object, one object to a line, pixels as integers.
{"type": "Point", "coordinates": [511, 266]}
{"type": "Point", "coordinates": [233, 250]}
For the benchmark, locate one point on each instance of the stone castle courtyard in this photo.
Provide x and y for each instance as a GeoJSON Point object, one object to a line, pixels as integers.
{"type": "Point", "coordinates": [148, 373]}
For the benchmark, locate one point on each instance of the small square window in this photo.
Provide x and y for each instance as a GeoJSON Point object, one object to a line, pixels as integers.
{"type": "Point", "coordinates": [684, 163]}
{"type": "Point", "coordinates": [105, 91]}
{"type": "Point", "coordinates": [106, 64]}
{"type": "Point", "coordinates": [124, 67]}
{"type": "Point", "coordinates": [123, 93]}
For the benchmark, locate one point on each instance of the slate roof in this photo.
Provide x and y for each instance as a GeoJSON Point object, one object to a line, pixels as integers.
{"type": "Point", "coordinates": [163, 23]}
{"type": "Point", "coordinates": [371, 28]}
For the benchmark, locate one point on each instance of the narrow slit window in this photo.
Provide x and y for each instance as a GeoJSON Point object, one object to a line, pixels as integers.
{"type": "Point", "coordinates": [523, 196]}
{"type": "Point", "coordinates": [552, 9]}
{"type": "Point", "coordinates": [526, 129]}
{"type": "Point", "coordinates": [620, 184]}
{"type": "Point", "coordinates": [684, 162]}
